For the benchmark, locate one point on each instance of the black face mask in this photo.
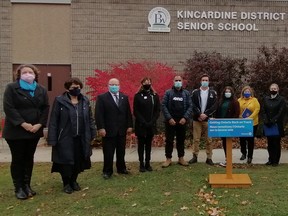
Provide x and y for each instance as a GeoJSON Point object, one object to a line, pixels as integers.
{"type": "Point", "coordinates": [273, 92]}
{"type": "Point", "coordinates": [146, 87]}
{"type": "Point", "coordinates": [75, 91]}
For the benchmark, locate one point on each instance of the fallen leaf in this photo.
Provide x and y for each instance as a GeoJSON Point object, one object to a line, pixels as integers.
{"type": "Point", "coordinates": [245, 202]}
{"type": "Point", "coordinates": [167, 193]}
{"type": "Point", "coordinates": [184, 208]}
{"type": "Point", "coordinates": [86, 188]}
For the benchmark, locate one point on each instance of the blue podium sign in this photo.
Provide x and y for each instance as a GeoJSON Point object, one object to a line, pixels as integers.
{"type": "Point", "coordinates": [230, 128]}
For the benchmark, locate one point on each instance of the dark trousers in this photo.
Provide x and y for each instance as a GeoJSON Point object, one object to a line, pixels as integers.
{"type": "Point", "coordinates": [274, 149]}
{"type": "Point", "coordinates": [248, 141]}
{"type": "Point", "coordinates": [109, 146]}
{"type": "Point", "coordinates": [224, 144]}
{"type": "Point", "coordinates": [144, 143]}
{"type": "Point", "coordinates": [21, 168]}
{"type": "Point", "coordinates": [170, 132]}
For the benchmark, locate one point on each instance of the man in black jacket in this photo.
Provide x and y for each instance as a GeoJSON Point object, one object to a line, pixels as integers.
{"type": "Point", "coordinates": [114, 120]}
{"type": "Point", "coordinates": [204, 102]}
{"type": "Point", "coordinates": [177, 108]}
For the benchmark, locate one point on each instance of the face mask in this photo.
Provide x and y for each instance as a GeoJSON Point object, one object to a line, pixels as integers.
{"type": "Point", "coordinates": [27, 77]}
{"type": "Point", "coordinates": [178, 84]}
{"type": "Point", "coordinates": [146, 87]}
{"type": "Point", "coordinates": [75, 91]}
{"type": "Point", "coordinates": [246, 95]}
{"type": "Point", "coordinates": [228, 94]}
{"type": "Point", "coordinates": [273, 92]}
{"type": "Point", "coordinates": [204, 84]}
{"type": "Point", "coordinates": [114, 88]}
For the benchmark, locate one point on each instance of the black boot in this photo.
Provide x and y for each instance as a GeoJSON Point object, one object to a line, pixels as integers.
{"type": "Point", "coordinates": [142, 167]}
{"type": "Point", "coordinates": [27, 187]}
{"type": "Point", "coordinates": [29, 191]}
{"type": "Point", "coordinates": [20, 193]}
{"type": "Point", "coordinates": [148, 166]}
{"type": "Point", "coordinates": [73, 182]}
{"type": "Point", "coordinates": [194, 159]}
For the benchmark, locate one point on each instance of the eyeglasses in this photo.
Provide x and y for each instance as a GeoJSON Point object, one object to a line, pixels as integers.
{"type": "Point", "coordinates": [177, 80]}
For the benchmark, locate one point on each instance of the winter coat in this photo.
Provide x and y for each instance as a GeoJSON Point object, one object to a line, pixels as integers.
{"type": "Point", "coordinates": [211, 103]}
{"type": "Point", "coordinates": [20, 106]}
{"type": "Point", "coordinates": [167, 100]}
{"type": "Point", "coordinates": [274, 111]}
{"type": "Point", "coordinates": [62, 128]}
{"type": "Point", "coordinates": [146, 109]}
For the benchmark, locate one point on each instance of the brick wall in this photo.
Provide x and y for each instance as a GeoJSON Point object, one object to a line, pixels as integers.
{"type": "Point", "coordinates": [5, 48]}
{"type": "Point", "coordinates": [107, 31]}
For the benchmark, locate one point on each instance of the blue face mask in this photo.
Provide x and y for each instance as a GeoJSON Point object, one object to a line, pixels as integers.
{"type": "Point", "coordinates": [114, 88]}
{"type": "Point", "coordinates": [204, 84]}
{"type": "Point", "coordinates": [247, 94]}
{"type": "Point", "coordinates": [178, 84]}
{"type": "Point", "coordinates": [228, 94]}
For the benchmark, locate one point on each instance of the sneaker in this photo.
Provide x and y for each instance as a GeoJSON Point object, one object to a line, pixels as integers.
{"type": "Point", "coordinates": [243, 157]}
{"type": "Point", "coordinates": [223, 164]}
{"type": "Point", "coordinates": [209, 162]}
{"type": "Point", "coordinates": [167, 163]}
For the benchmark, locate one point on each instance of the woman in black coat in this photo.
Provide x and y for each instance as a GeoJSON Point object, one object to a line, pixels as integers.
{"type": "Point", "coordinates": [274, 108]}
{"type": "Point", "coordinates": [146, 108]}
{"type": "Point", "coordinates": [228, 108]}
{"type": "Point", "coordinates": [26, 107]}
{"type": "Point", "coordinates": [71, 130]}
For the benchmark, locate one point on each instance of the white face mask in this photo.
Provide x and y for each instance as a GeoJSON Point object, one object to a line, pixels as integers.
{"type": "Point", "coordinates": [28, 77]}
{"type": "Point", "coordinates": [228, 94]}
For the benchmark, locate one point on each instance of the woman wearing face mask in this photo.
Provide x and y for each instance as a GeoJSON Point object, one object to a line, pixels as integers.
{"type": "Point", "coordinates": [71, 130]}
{"type": "Point", "coordinates": [146, 109]}
{"type": "Point", "coordinates": [274, 108]}
{"type": "Point", "coordinates": [228, 108]}
{"type": "Point", "coordinates": [26, 107]}
{"type": "Point", "coordinates": [249, 108]}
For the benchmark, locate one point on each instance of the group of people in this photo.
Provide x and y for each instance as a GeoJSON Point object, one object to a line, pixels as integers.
{"type": "Point", "coordinates": [72, 126]}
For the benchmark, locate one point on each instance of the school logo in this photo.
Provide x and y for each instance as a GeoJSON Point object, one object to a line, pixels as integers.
{"type": "Point", "coordinates": [159, 20]}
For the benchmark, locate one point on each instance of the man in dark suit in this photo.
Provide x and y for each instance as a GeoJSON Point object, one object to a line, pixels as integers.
{"type": "Point", "coordinates": [114, 120]}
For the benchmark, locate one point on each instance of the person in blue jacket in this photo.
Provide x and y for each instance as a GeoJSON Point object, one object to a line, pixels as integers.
{"type": "Point", "coordinates": [177, 109]}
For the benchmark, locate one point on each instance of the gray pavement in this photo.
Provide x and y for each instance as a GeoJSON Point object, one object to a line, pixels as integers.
{"type": "Point", "coordinates": [43, 154]}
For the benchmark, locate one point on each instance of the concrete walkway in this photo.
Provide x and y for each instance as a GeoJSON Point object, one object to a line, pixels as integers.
{"type": "Point", "coordinates": [43, 154]}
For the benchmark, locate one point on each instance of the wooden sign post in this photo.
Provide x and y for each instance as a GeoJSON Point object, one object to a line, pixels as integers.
{"type": "Point", "coordinates": [223, 129]}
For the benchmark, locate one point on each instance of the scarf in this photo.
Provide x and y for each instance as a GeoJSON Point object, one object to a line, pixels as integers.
{"type": "Point", "coordinates": [28, 87]}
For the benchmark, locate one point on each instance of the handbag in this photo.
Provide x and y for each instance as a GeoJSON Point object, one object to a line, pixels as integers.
{"type": "Point", "coordinates": [271, 131]}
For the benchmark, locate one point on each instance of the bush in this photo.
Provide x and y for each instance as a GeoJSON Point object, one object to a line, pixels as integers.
{"type": "Point", "coordinates": [222, 70]}
{"type": "Point", "coordinates": [130, 74]}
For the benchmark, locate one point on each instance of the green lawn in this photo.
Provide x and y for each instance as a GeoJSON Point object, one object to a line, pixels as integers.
{"type": "Point", "coordinates": [172, 191]}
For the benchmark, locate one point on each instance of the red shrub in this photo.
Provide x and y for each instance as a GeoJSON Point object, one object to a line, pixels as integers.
{"type": "Point", "coordinates": [130, 74]}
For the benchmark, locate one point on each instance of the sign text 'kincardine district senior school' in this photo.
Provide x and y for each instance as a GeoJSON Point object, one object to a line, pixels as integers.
{"type": "Point", "coordinates": [238, 21]}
